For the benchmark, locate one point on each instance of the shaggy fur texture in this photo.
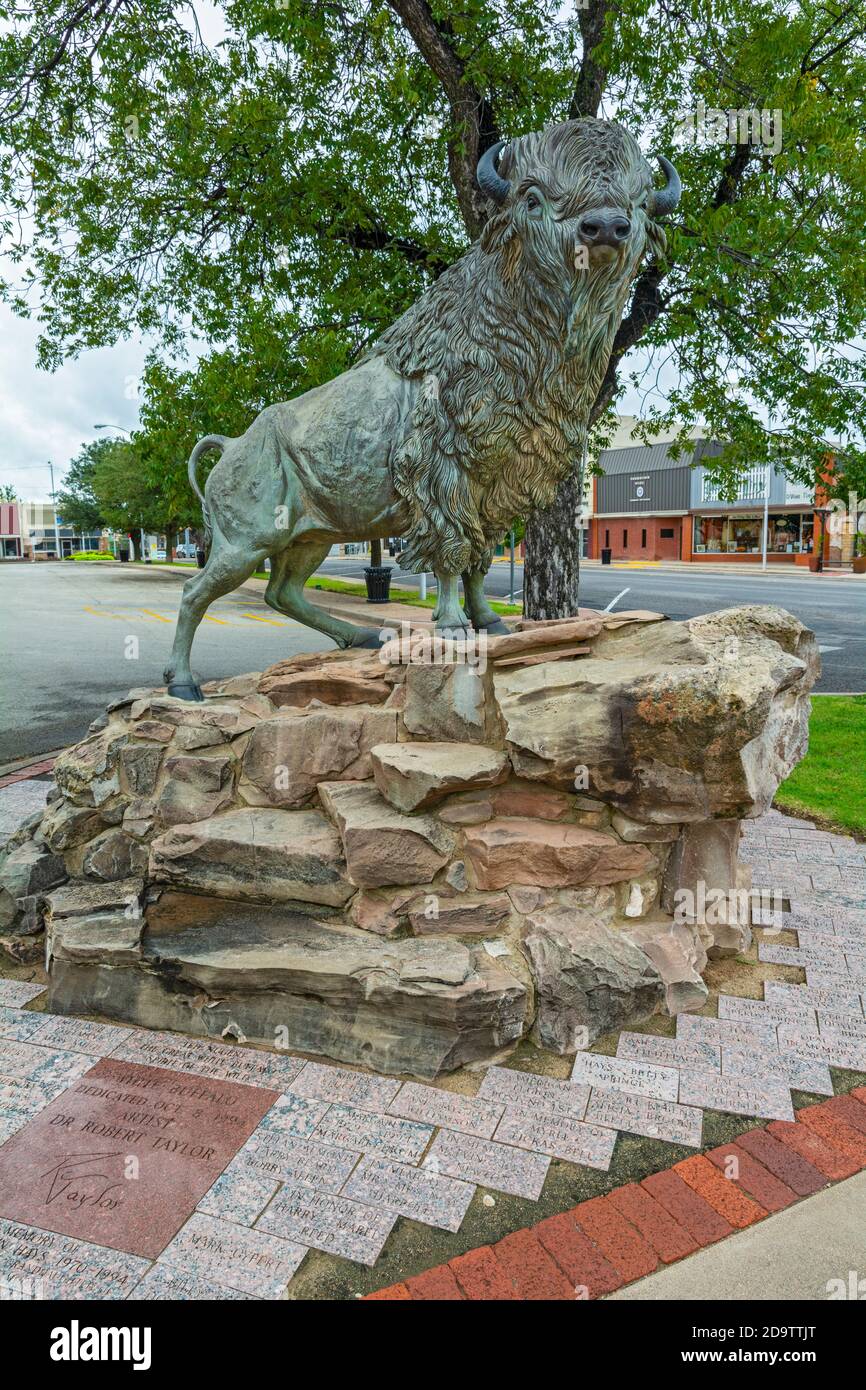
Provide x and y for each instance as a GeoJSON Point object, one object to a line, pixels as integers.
{"type": "Point", "coordinates": [511, 344]}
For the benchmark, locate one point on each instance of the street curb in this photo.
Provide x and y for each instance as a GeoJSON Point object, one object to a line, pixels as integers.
{"type": "Point", "coordinates": [606, 1243]}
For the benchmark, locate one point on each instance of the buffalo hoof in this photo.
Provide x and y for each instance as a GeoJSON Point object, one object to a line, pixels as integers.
{"type": "Point", "coordinates": [369, 638]}
{"type": "Point", "coordinates": [455, 634]}
{"type": "Point", "coordinates": [496, 629]}
{"type": "Point", "coordinates": [184, 691]}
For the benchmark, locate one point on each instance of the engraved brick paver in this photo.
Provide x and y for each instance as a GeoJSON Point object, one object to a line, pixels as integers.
{"type": "Point", "coordinates": [528, 1093]}
{"type": "Point", "coordinates": [737, 1095]}
{"type": "Point", "coordinates": [319, 1082]}
{"type": "Point", "coordinates": [293, 1115]}
{"type": "Point", "coordinates": [246, 1260]}
{"type": "Point", "coordinates": [414, 1192]}
{"type": "Point", "coordinates": [841, 1025]}
{"type": "Point", "coordinates": [824, 1156]}
{"type": "Point", "coordinates": [435, 1107]}
{"type": "Point", "coordinates": [347, 1127]}
{"type": "Point", "coordinates": [642, 1078]}
{"type": "Point", "coordinates": [824, 958]}
{"type": "Point", "coordinates": [571, 1140]}
{"type": "Point", "coordinates": [327, 1222]}
{"type": "Point", "coordinates": [751, 1175]}
{"type": "Point", "coordinates": [66, 1267]}
{"type": "Point", "coordinates": [801, 1073]}
{"type": "Point", "coordinates": [832, 1048]}
{"type": "Point", "coordinates": [18, 1024]}
{"type": "Point", "coordinates": [726, 1032]}
{"type": "Point", "coordinates": [816, 996]}
{"type": "Point", "coordinates": [669, 1052]}
{"type": "Point", "coordinates": [484, 1161]}
{"type": "Point", "coordinates": [579, 1258]}
{"type": "Point", "coordinates": [668, 1238]}
{"type": "Point", "coordinates": [737, 1010]}
{"type": "Point", "coordinates": [164, 1283]}
{"type": "Point", "coordinates": [287, 1158]}
{"type": "Point", "coordinates": [217, 1060]}
{"type": "Point", "coordinates": [238, 1196]}
{"type": "Point", "coordinates": [18, 992]}
{"type": "Point", "coordinates": [783, 1162]}
{"type": "Point", "coordinates": [535, 1275]}
{"type": "Point", "coordinates": [688, 1207]}
{"type": "Point", "coordinates": [80, 1035]}
{"type": "Point", "coordinates": [733, 1205]}
{"type": "Point", "coordinates": [617, 1240]}
{"type": "Point", "coordinates": [480, 1276]}
{"type": "Point", "coordinates": [659, 1119]}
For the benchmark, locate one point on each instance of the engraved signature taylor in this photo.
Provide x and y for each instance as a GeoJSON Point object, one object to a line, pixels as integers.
{"type": "Point", "coordinates": [87, 1180]}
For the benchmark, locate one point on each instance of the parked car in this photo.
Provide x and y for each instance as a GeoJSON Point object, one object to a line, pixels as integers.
{"type": "Point", "coordinates": [185, 552]}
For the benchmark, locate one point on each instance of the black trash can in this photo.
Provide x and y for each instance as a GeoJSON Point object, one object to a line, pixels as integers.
{"type": "Point", "coordinates": [378, 579]}
{"type": "Point", "coordinates": [605, 556]}
{"type": "Point", "coordinates": [123, 556]}
{"type": "Point", "coordinates": [200, 557]}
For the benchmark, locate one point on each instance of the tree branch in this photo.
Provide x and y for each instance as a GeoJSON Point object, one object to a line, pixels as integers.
{"type": "Point", "coordinates": [587, 95]}
{"type": "Point", "coordinates": [474, 125]}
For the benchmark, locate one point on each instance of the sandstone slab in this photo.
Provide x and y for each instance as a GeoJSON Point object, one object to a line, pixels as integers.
{"type": "Point", "coordinates": [288, 756]}
{"type": "Point", "coordinates": [258, 853]}
{"type": "Point", "coordinates": [413, 776]}
{"type": "Point", "coordinates": [518, 850]}
{"type": "Point", "coordinates": [589, 979]}
{"type": "Point", "coordinates": [382, 846]}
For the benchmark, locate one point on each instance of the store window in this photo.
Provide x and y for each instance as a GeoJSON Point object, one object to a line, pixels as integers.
{"type": "Point", "coordinates": [787, 534]}
{"type": "Point", "coordinates": [667, 533]}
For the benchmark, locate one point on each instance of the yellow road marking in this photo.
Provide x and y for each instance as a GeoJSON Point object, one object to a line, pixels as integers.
{"type": "Point", "coordinates": [254, 617]}
{"type": "Point", "coordinates": [221, 621]}
{"type": "Point", "coordinates": [101, 613]}
{"type": "Point", "coordinates": [150, 613]}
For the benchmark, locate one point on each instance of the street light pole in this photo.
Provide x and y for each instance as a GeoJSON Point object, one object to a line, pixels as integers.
{"type": "Point", "coordinates": [766, 518]}
{"type": "Point", "coordinates": [54, 510]}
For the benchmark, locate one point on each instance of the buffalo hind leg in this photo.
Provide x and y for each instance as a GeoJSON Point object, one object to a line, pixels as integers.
{"type": "Point", "coordinates": [226, 569]}
{"type": "Point", "coordinates": [482, 615]}
{"type": "Point", "coordinates": [290, 571]}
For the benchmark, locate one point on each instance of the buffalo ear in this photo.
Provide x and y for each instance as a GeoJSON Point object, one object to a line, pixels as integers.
{"type": "Point", "coordinates": [498, 231]}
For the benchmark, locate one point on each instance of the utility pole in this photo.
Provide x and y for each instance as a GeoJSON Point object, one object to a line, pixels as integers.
{"type": "Point", "coordinates": [766, 517]}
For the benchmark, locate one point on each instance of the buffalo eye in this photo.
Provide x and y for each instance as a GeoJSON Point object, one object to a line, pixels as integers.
{"type": "Point", "coordinates": [533, 202]}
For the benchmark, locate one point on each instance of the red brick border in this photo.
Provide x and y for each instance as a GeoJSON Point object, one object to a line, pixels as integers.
{"type": "Point", "coordinates": [610, 1241]}
{"type": "Point", "coordinates": [25, 774]}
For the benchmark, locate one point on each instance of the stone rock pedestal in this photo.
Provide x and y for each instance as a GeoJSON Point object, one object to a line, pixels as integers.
{"type": "Point", "coordinates": [411, 859]}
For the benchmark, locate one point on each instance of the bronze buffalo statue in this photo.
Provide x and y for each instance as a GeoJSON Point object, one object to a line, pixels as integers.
{"type": "Point", "coordinates": [465, 414]}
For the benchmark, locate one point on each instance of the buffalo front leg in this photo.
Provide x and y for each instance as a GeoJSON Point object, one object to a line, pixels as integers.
{"type": "Point", "coordinates": [290, 571]}
{"type": "Point", "coordinates": [449, 616]}
{"type": "Point", "coordinates": [482, 615]}
{"type": "Point", "coordinates": [226, 568]}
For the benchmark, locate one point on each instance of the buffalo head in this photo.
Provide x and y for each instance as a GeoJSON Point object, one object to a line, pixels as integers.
{"type": "Point", "coordinates": [578, 197]}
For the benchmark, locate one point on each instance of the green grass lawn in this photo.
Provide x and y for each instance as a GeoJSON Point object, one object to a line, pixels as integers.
{"type": "Point", "coordinates": [342, 586]}
{"type": "Point", "coordinates": [829, 785]}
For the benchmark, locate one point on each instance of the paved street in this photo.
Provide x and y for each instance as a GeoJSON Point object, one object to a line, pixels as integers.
{"type": "Point", "coordinates": [65, 631]}
{"type": "Point", "coordinates": [834, 608]}
{"type": "Point", "coordinates": [68, 629]}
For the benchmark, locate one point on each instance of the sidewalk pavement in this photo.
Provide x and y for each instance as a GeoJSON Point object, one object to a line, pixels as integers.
{"type": "Point", "coordinates": [807, 1252]}
{"type": "Point", "coordinates": [735, 567]}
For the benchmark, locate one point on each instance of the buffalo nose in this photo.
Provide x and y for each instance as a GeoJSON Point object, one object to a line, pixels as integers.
{"type": "Point", "coordinates": [604, 228]}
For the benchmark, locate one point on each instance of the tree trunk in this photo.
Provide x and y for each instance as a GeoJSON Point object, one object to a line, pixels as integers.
{"type": "Point", "coordinates": [376, 551]}
{"type": "Point", "coordinates": [552, 568]}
